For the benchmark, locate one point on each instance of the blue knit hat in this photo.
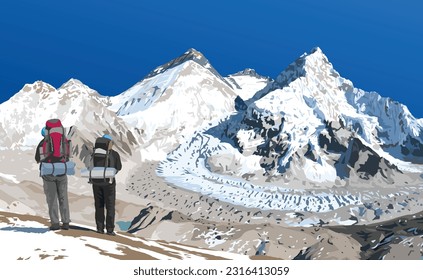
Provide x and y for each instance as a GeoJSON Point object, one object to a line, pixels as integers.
{"type": "Point", "coordinates": [43, 131]}
{"type": "Point", "coordinates": [107, 136]}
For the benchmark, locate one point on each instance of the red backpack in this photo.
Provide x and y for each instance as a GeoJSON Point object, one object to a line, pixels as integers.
{"type": "Point", "coordinates": [56, 147]}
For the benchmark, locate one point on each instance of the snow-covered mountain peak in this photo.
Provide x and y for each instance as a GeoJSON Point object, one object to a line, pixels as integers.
{"type": "Point", "coordinates": [174, 97]}
{"type": "Point", "coordinates": [192, 70]}
{"type": "Point", "coordinates": [246, 71]}
{"type": "Point", "coordinates": [194, 53]}
{"type": "Point", "coordinates": [248, 82]}
{"type": "Point", "coordinates": [75, 104]}
{"type": "Point", "coordinates": [317, 59]}
{"type": "Point", "coordinates": [72, 83]}
{"type": "Point", "coordinates": [148, 90]}
{"type": "Point", "coordinates": [315, 64]}
{"type": "Point", "coordinates": [75, 87]}
{"type": "Point", "coordinates": [40, 90]}
{"type": "Point", "coordinates": [38, 87]}
{"type": "Point", "coordinates": [310, 80]}
{"type": "Point", "coordinates": [190, 55]}
{"type": "Point", "coordinates": [309, 70]}
{"type": "Point", "coordinates": [317, 50]}
{"type": "Point", "coordinates": [249, 72]}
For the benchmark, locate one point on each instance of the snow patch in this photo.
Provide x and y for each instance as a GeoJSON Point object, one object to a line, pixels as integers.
{"type": "Point", "coordinates": [9, 177]}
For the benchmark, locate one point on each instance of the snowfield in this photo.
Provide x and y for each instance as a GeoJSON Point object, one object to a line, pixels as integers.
{"type": "Point", "coordinates": [37, 242]}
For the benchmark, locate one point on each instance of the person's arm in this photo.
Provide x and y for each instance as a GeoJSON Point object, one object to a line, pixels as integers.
{"type": "Point", "coordinates": [118, 162]}
{"type": "Point", "coordinates": [37, 153]}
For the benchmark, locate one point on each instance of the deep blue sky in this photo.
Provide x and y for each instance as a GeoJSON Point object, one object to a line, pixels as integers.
{"type": "Point", "coordinates": [111, 45]}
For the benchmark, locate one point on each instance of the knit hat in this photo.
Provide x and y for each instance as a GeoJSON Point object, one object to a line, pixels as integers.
{"type": "Point", "coordinates": [107, 136]}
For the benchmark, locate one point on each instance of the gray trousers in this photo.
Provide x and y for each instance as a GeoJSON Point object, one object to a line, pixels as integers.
{"type": "Point", "coordinates": [56, 191]}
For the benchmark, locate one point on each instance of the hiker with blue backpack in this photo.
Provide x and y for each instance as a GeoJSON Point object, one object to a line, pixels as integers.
{"type": "Point", "coordinates": [53, 154]}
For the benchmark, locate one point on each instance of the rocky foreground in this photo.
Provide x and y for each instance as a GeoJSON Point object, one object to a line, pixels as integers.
{"type": "Point", "coordinates": [191, 218]}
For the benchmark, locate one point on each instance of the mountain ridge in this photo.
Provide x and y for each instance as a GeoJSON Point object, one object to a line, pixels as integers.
{"type": "Point", "coordinates": [309, 70]}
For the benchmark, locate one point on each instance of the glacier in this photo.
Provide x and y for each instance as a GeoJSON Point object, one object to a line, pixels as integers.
{"type": "Point", "coordinates": [187, 168]}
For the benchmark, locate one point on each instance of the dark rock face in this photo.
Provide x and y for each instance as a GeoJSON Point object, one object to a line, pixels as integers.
{"type": "Point", "coordinates": [333, 138]}
{"type": "Point", "coordinates": [240, 104]}
{"type": "Point", "coordinates": [365, 162]}
{"type": "Point", "coordinates": [395, 239]}
{"type": "Point", "coordinates": [152, 215]}
{"type": "Point", "coordinates": [410, 150]}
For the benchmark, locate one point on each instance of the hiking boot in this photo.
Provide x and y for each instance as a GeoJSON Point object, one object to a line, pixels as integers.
{"type": "Point", "coordinates": [54, 227]}
{"type": "Point", "coordinates": [65, 226]}
{"type": "Point", "coordinates": [111, 233]}
{"type": "Point", "coordinates": [101, 231]}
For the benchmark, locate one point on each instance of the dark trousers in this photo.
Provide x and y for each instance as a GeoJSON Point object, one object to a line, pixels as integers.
{"type": "Point", "coordinates": [105, 196]}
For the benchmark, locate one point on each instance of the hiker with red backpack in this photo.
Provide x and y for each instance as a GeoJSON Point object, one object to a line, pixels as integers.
{"type": "Point", "coordinates": [53, 154]}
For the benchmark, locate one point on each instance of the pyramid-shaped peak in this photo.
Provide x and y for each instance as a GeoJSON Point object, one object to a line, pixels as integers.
{"type": "Point", "coordinates": [313, 62]}
{"type": "Point", "coordinates": [75, 85]}
{"type": "Point", "coordinates": [76, 88]}
{"type": "Point", "coordinates": [316, 50]}
{"type": "Point", "coordinates": [190, 55]}
{"type": "Point", "coordinates": [317, 55]}
{"type": "Point", "coordinates": [194, 53]}
{"type": "Point", "coordinates": [72, 83]}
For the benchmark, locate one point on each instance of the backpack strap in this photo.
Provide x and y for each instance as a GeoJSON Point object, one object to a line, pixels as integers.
{"type": "Point", "coordinates": [107, 161]}
{"type": "Point", "coordinates": [102, 156]}
{"type": "Point", "coordinates": [46, 148]}
{"type": "Point", "coordinates": [42, 150]}
{"type": "Point", "coordinates": [68, 149]}
{"type": "Point", "coordinates": [91, 166]}
{"type": "Point", "coordinates": [63, 146]}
